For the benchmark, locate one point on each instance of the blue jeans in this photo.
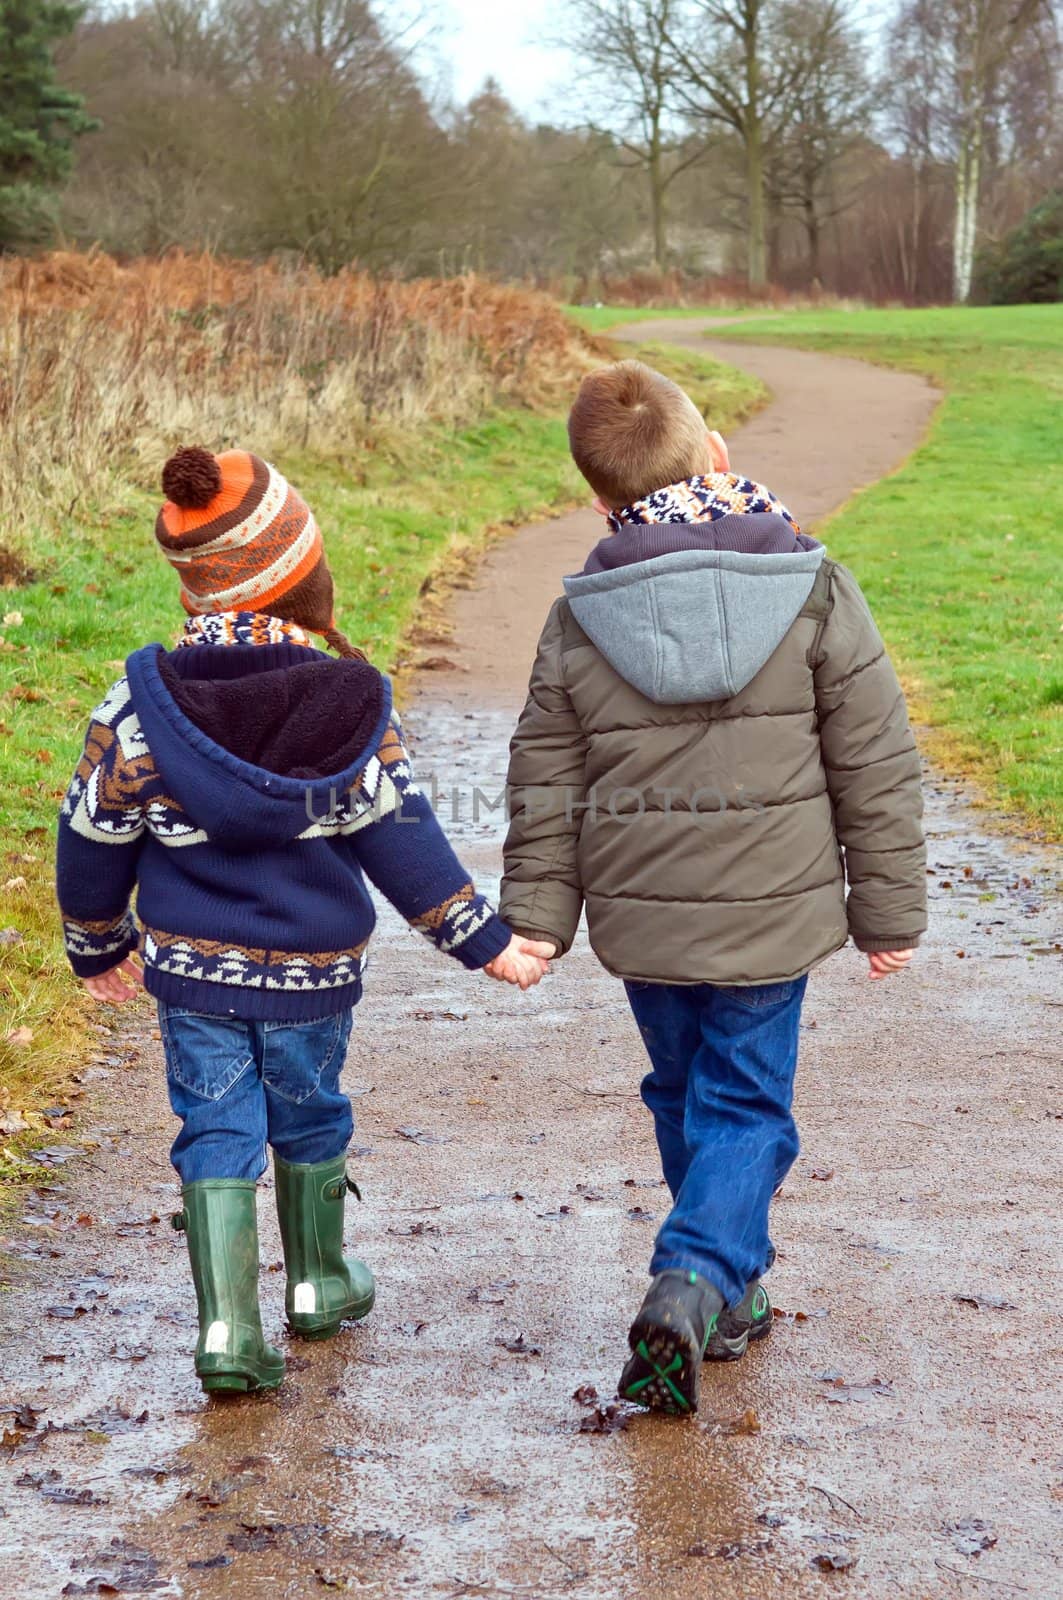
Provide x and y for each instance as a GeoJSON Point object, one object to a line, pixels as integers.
{"type": "Point", "coordinates": [720, 1092]}
{"type": "Point", "coordinates": [238, 1085]}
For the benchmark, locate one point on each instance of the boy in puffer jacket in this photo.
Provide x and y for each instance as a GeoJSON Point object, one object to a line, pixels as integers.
{"type": "Point", "coordinates": [714, 745]}
{"type": "Point", "coordinates": [242, 784]}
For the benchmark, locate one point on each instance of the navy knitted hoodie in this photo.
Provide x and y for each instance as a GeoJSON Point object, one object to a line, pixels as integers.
{"type": "Point", "coordinates": [242, 790]}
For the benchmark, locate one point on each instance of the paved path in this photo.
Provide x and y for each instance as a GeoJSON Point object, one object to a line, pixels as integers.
{"type": "Point", "coordinates": [438, 1450]}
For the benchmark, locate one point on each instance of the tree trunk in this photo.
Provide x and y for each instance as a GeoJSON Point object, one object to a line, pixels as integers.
{"type": "Point", "coordinates": [968, 178]}
{"type": "Point", "coordinates": [758, 263]}
{"type": "Point", "coordinates": [812, 232]}
{"type": "Point", "coordinates": [657, 187]}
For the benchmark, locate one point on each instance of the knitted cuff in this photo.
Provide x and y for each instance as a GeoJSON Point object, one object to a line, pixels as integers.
{"type": "Point", "coordinates": [96, 966]}
{"type": "Point", "coordinates": [899, 941]}
{"type": "Point", "coordinates": [484, 945]}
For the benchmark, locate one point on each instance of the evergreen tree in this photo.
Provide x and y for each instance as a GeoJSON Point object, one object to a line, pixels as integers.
{"type": "Point", "coordinates": [39, 119]}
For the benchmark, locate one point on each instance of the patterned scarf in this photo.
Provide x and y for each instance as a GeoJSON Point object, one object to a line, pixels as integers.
{"type": "Point", "coordinates": [702, 499]}
{"type": "Point", "coordinates": [242, 627]}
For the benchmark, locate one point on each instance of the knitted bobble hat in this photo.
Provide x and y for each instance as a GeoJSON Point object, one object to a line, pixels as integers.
{"type": "Point", "coordinates": [241, 539]}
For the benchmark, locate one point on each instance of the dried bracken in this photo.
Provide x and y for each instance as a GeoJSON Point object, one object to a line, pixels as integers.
{"type": "Point", "coordinates": [106, 367]}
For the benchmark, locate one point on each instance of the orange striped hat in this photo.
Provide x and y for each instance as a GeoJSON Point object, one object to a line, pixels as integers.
{"type": "Point", "coordinates": [241, 539]}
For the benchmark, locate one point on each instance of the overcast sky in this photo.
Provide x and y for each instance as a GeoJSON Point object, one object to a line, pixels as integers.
{"type": "Point", "coordinates": [504, 39]}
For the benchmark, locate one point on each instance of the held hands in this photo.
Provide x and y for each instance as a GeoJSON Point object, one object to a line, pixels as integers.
{"type": "Point", "coordinates": [884, 963]}
{"type": "Point", "coordinates": [110, 986]}
{"type": "Point", "coordinates": [523, 961]}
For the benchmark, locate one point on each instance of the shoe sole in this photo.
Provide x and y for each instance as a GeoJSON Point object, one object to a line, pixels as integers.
{"type": "Point", "coordinates": [236, 1381]}
{"type": "Point", "coordinates": [663, 1373]}
{"type": "Point", "coordinates": [721, 1348]}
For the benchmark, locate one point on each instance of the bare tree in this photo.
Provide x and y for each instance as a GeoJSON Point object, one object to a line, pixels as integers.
{"type": "Point", "coordinates": [735, 63]}
{"type": "Point", "coordinates": [829, 114]}
{"type": "Point", "coordinates": [968, 47]}
{"type": "Point", "coordinates": [626, 43]}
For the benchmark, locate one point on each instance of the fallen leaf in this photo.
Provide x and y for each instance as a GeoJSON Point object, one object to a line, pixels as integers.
{"type": "Point", "coordinates": [220, 1560]}
{"type": "Point", "coordinates": [640, 1214]}
{"type": "Point", "coordinates": [840, 1391]}
{"type": "Point", "coordinates": [834, 1561]}
{"type": "Point", "coordinates": [822, 1174]}
{"type": "Point", "coordinates": [609, 1418]}
{"type": "Point", "coordinates": [971, 1535]}
{"type": "Point", "coordinates": [585, 1395]}
{"type": "Point", "coordinates": [748, 1422]}
{"type": "Point", "coordinates": [419, 1136]}
{"type": "Point", "coordinates": [19, 1038]}
{"type": "Point", "coordinates": [15, 886]}
{"type": "Point", "coordinates": [491, 1294]}
{"type": "Point", "coordinates": [984, 1302]}
{"type": "Point", "coordinates": [519, 1346]}
{"type": "Point", "coordinates": [10, 936]}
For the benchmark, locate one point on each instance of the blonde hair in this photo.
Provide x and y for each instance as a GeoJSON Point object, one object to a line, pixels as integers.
{"type": "Point", "coordinates": [632, 430]}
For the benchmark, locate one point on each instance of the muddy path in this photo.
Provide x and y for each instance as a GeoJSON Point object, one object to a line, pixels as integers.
{"type": "Point", "coordinates": [900, 1417]}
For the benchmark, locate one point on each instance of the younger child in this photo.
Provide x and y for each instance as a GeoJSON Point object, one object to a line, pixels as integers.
{"type": "Point", "coordinates": [713, 744]}
{"type": "Point", "coordinates": [242, 784]}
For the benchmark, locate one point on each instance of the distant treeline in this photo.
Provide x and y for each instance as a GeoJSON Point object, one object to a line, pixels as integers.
{"type": "Point", "coordinates": [772, 139]}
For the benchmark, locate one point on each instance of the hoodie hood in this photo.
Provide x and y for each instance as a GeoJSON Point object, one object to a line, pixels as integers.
{"type": "Point", "coordinates": [256, 742]}
{"type": "Point", "coordinates": [696, 623]}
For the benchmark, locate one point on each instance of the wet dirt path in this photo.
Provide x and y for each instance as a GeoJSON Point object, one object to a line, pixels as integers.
{"type": "Point", "coordinates": [438, 1449]}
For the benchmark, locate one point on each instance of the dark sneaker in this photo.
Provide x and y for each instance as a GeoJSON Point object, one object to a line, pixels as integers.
{"type": "Point", "coordinates": [668, 1340]}
{"type": "Point", "coordinates": [751, 1318]}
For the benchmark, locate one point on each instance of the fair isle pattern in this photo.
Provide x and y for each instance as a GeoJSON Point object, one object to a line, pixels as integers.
{"type": "Point", "coordinates": [295, 545]}
{"type": "Point", "coordinates": [274, 497]}
{"type": "Point", "coordinates": [116, 791]}
{"type": "Point", "coordinates": [241, 627]}
{"type": "Point", "coordinates": [382, 786]}
{"type": "Point", "coordinates": [90, 940]}
{"type": "Point", "coordinates": [450, 924]}
{"type": "Point", "coordinates": [705, 498]}
{"type": "Point", "coordinates": [218, 961]}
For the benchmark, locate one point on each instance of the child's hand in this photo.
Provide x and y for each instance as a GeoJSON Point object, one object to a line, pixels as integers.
{"type": "Point", "coordinates": [109, 986]}
{"type": "Point", "coordinates": [885, 962]}
{"type": "Point", "coordinates": [523, 961]}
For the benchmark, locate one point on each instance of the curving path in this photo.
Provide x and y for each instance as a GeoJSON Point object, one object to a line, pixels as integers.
{"type": "Point", "coordinates": [439, 1449]}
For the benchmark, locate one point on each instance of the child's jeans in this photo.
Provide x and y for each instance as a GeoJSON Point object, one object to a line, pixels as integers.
{"type": "Point", "coordinates": [720, 1092]}
{"type": "Point", "coordinates": [239, 1085]}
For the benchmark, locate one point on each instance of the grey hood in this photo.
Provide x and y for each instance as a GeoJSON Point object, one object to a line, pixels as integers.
{"type": "Point", "coordinates": [693, 624]}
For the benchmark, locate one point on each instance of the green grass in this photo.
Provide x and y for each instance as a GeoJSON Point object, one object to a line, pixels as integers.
{"type": "Point", "coordinates": [391, 520]}
{"type": "Point", "coordinates": [599, 319]}
{"type": "Point", "coordinates": [960, 552]}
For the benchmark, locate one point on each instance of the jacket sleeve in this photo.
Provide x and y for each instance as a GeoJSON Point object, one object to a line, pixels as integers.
{"type": "Point", "coordinates": [541, 891]}
{"type": "Point", "coordinates": [404, 851]}
{"type": "Point", "coordinates": [873, 774]}
{"type": "Point", "coordinates": [101, 828]}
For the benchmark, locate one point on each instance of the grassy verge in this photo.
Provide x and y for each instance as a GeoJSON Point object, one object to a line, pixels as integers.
{"type": "Point", "coordinates": [391, 518]}
{"type": "Point", "coordinates": [959, 551]}
{"type": "Point", "coordinates": [599, 319]}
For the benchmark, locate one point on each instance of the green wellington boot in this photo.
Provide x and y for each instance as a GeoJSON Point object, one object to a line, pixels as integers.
{"type": "Point", "coordinates": [324, 1287]}
{"type": "Point", "coordinates": [221, 1223]}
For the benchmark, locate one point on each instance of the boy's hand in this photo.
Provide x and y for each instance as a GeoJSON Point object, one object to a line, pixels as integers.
{"type": "Point", "coordinates": [109, 986]}
{"type": "Point", "coordinates": [885, 962]}
{"type": "Point", "coordinates": [523, 961]}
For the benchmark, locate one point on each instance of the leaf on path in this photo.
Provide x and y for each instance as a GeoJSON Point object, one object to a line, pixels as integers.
{"type": "Point", "coordinates": [834, 1561]}
{"type": "Point", "coordinates": [68, 1313]}
{"type": "Point", "coordinates": [208, 1565]}
{"type": "Point", "coordinates": [839, 1391]}
{"type": "Point", "coordinates": [970, 1536]}
{"type": "Point", "coordinates": [799, 1316]}
{"type": "Point", "coordinates": [640, 1214]}
{"type": "Point", "coordinates": [491, 1294]}
{"type": "Point", "coordinates": [585, 1395]}
{"type": "Point", "coordinates": [12, 1121]}
{"type": "Point", "coordinates": [733, 1550]}
{"type": "Point", "coordinates": [586, 1192]}
{"type": "Point", "coordinates": [64, 1495]}
{"type": "Point", "coordinates": [55, 1155]}
{"type": "Point", "coordinates": [441, 1016]}
{"type": "Point", "coordinates": [112, 1419]}
{"type": "Point", "coordinates": [984, 1302]}
{"type": "Point", "coordinates": [420, 1136]}
{"type": "Point", "coordinates": [822, 1174]}
{"type": "Point", "coordinates": [748, 1422]}
{"type": "Point", "coordinates": [415, 1230]}
{"type": "Point", "coordinates": [554, 1216]}
{"type": "Point", "coordinates": [609, 1418]}
{"type": "Point", "coordinates": [518, 1346]}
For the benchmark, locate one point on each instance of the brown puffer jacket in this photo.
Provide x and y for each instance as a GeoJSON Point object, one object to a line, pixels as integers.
{"type": "Point", "coordinates": [706, 733]}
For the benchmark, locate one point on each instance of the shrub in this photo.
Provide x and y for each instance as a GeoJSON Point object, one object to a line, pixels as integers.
{"type": "Point", "coordinates": [1027, 264]}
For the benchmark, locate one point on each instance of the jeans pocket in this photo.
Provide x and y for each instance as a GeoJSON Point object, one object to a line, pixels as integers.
{"type": "Point", "coordinates": [757, 996]}
{"type": "Point", "coordinates": [204, 1054]}
{"type": "Point", "coordinates": [298, 1054]}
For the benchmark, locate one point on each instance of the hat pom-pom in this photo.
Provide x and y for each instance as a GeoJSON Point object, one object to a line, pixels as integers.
{"type": "Point", "coordinates": [191, 478]}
